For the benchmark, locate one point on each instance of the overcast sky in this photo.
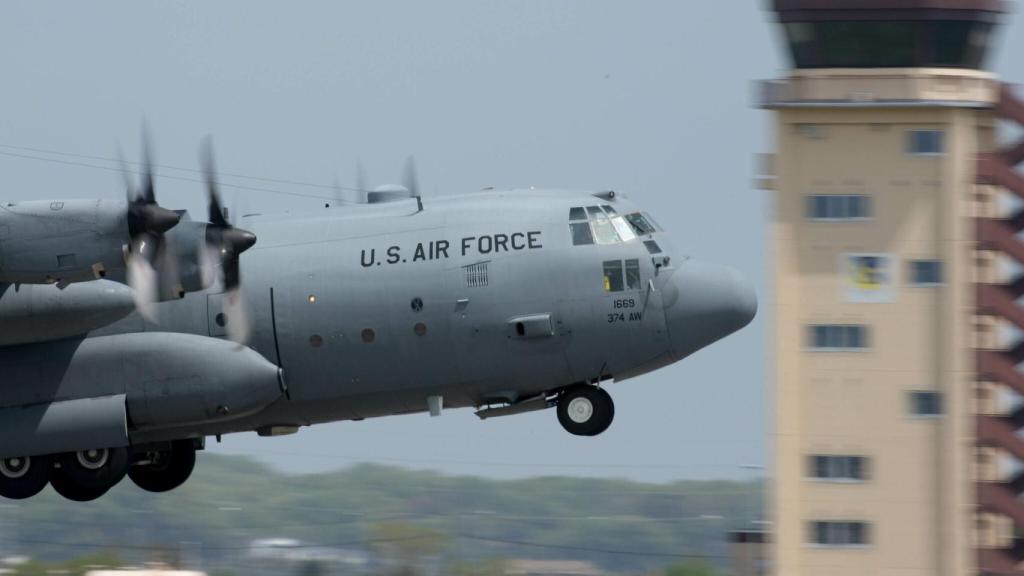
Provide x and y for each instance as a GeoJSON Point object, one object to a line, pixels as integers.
{"type": "Point", "coordinates": [648, 98]}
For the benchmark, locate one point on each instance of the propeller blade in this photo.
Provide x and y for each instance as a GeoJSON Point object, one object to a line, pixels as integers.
{"type": "Point", "coordinates": [142, 278]}
{"type": "Point", "coordinates": [339, 196]}
{"type": "Point", "coordinates": [216, 207]}
{"type": "Point", "coordinates": [209, 265]}
{"type": "Point", "coordinates": [147, 195]}
{"type": "Point", "coordinates": [236, 312]}
{"type": "Point", "coordinates": [129, 186]}
{"type": "Point", "coordinates": [168, 278]}
{"type": "Point", "coordinates": [361, 178]}
{"type": "Point", "coordinates": [409, 179]}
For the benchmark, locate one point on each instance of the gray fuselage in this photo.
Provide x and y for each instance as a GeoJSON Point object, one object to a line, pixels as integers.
{"type": "Point", "coordinates": [480, 299]}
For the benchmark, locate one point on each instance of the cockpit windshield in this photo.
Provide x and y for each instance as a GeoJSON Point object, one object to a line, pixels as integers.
{"type": "Point", "coordinates": [602, 225]}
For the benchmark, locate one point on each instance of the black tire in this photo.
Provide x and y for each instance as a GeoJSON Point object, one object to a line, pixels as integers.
{"type": "Point", "coordinates": [94, 470]}
{"type": "Point", "coordinates": [24, 477]}
{"type": "Point", "coordinates": [168, 469]}
{"type": "Point", "coordinates": [585, 410]}
{"type": "Point", "coordinates": [67, 487]}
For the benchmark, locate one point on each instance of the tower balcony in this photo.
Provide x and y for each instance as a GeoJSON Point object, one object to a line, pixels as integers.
{"type": "Point", "coordinates": [880, 87]}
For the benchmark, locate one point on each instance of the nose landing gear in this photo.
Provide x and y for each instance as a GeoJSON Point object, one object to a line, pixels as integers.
{"type": "Point", "coordinates": [585, 410]}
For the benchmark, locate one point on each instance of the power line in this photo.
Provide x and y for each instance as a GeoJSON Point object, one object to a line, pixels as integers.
{"type": "Point", "coordinates": [181, 168]}
{"type": "Point", "coordinates": [168, 176]}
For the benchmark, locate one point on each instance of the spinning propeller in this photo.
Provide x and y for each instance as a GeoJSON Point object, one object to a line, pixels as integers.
{"type": "Point", "coordinates": [147, 223]}
{"type": "Point", "coordinates": [225, 244]}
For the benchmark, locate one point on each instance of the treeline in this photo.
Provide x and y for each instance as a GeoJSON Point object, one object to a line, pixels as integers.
{"type": "Point", "coordinates": [622, 526]}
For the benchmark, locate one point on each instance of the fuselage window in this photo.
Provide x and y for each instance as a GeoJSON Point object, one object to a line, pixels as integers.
{"type": "Point", "coordinates": [632, 274]}
{"type": "Point", "coordinates": [581, 233]}
{"type": "Point", "coordinates": [613, 276]}
{"type": "Point", "coordinates": [577, 213]}
{"type": "Point", "coordinates": [640, 223]}
{"type": "Point", "coordinates": [604, 232]}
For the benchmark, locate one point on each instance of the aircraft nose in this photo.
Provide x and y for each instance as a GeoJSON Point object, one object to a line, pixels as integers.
{"type": "Point", "coordinates": [710, 302]}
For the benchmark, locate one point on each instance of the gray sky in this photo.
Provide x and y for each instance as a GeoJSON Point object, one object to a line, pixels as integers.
{"type": "Point", "coordinates": [648, 98]}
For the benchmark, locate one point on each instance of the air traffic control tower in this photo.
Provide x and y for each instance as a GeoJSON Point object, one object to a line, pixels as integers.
{"type": "Point", "coordinates": [898, 322]}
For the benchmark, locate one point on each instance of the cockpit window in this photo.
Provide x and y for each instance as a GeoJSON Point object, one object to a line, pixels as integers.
{"type": "Point", "coordinates": [602, 225]}
{"type": "Point", "coordinates": [613, 276]}
{"type": "Point", "coordinates": [624, 230]}
{"type": "Point", "coordinates": [604, 232]}
{"type": "Point", "coordinates": [640, 223]}
{"type": "Point", "coordinates": [581, 233]}
{"type": "Point", "coordinates": [632, 274]}
{"type": "Point", "coordinates": [653, 222]}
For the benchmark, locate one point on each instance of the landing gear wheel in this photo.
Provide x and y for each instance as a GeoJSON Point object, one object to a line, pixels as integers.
{"type": "Point", "coordinates": [166, 470]}
{"type": "Point", "coordinates": [585, 410]}
{"type": "Point", "coordinates": [24, 476]}
{"type": "Point", "coordinates": [64, 485]}
{"type": "Point", "coordinates": [88, 474]}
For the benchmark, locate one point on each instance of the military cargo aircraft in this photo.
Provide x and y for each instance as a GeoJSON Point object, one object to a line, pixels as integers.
{"type": "Point", "coordinates": [130, 333]}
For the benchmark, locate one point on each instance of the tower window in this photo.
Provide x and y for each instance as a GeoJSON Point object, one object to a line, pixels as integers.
{"type": "Point", "coordinates": [837, 468]}
{"type": "Point", "coordinates": [925, 272]}
{"type": "Point", "coordinates": [838, 337]}
{"type": "Point", "coordinates": [838, 207]}
{"type": "Point", "coordinates": [925, 142]}
{"type": "Point", "coordinates": [839, 533]}
{"type": "Point", "coordinates": [926, 404]}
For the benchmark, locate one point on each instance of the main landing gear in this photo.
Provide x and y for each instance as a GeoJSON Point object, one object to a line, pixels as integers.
{"type": "Point", "coordinates": [165, 470]}
{"type": "Point", "coordinates": [88, 474]}
{"type": "Point", "coordinates": [585, 410]}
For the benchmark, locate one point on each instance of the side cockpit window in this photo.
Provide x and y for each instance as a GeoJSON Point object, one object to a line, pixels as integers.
{"type": "Point", "coordinates": [613, 276]}
{"type": "Point", "coordinates": [621, 275]}
{"type": "Point", "coordinates": [632, 274]}
{"type": "Point", "coordinates": [641, 223]}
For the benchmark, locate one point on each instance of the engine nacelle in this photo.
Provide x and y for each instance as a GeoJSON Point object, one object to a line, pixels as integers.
{"type": "Point", "coordinates": [62, 241]}
{"type": "Point", "coordinates": [38, 313]}
{"type": "Point", "coordinates": [166, 379]}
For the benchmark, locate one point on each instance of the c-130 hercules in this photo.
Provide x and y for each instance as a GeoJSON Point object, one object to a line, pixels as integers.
{"type": "Point", "coordinates": [128, 336]}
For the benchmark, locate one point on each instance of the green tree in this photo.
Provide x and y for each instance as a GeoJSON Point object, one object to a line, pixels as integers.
{"type": "Point", "coordinates": [405, 546]}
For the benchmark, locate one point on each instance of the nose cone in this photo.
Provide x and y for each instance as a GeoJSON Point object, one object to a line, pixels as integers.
{"type": "Point", "coordinates": [705, 303]}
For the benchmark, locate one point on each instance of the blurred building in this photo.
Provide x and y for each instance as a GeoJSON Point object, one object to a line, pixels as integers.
{"type": "Point", "coordinates": [524, 567]}
{"type": "Point", "coordinates": [897, 259]}
{"type": "Point", "coordinates": [747, 553]}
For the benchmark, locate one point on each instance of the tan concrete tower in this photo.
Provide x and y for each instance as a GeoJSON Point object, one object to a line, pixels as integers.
{"type": "Point", "coordinates": [896, 279]}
